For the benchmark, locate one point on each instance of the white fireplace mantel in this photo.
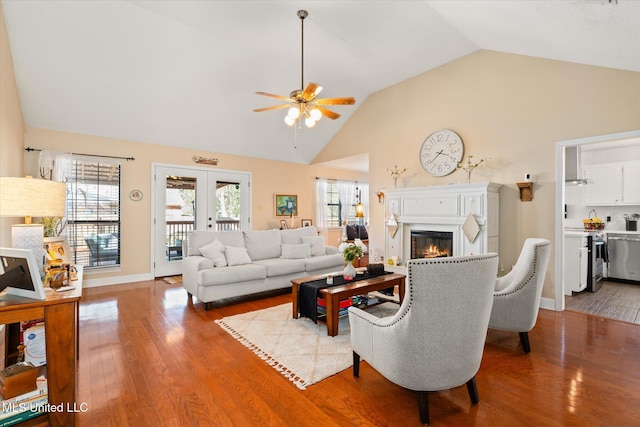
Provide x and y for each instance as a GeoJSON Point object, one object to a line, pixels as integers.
{"type": "Point", "coordinates": [444, 208]}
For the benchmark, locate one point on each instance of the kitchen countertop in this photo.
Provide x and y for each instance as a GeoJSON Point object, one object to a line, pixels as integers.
{"type": "Point", "coordinates": [634, 233]}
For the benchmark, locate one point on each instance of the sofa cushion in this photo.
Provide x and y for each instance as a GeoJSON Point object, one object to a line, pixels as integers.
{"type": "Point", "coordinates": [294, 236]}
{"type": "Point", "coordinates": [236, 256]}
{"type": "Point", "coordinates": [317, 245]}
{"type": "Point", "coordinates": [324, 261]}
{"type": "Point", "coordinates": [302, 250]}
{"type": "Point", "coordinates": [262, 244]}
{"type": "Point", "coordinates": [215, 251]}
{"type": "Point", "coordinates": [355, 231]}
{"type": "Point", "coordinates": [197, 239]}
{"type": "Point", "coordinates": [230, 275]}
{"type": "Point", "coordinates": [281, 267]}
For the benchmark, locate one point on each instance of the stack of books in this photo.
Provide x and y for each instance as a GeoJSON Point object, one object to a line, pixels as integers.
{"type": "Point", "coordinates": [342, 312]}
{"type": "Point", "coordinates": [25, 406]}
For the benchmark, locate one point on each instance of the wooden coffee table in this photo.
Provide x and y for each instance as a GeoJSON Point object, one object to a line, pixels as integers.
{"type": "Point", "coordinates": [335, 294]}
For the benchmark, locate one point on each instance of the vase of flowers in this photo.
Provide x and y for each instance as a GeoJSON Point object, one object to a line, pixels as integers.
{"type": "Point", "coordinates": [395, 174]}
{"type": "Point", "coordinates": [350, 254]}
{"type": "Point", "coordinates": [469, 166]}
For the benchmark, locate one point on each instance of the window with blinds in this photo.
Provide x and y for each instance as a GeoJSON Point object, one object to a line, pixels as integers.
{"type": "Point", "coordinates": [93, 212]}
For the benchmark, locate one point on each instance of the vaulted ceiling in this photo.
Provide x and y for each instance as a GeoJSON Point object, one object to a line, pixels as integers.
{"type": "Point", "coordinates": [185, 73]}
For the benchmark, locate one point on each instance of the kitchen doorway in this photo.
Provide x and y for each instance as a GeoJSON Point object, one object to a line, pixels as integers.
{"type": "Point", "coordinates": [614, 300]}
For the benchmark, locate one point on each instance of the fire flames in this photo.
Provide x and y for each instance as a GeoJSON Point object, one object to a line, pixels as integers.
{"type": "Point", "coordinates": [434, 252]}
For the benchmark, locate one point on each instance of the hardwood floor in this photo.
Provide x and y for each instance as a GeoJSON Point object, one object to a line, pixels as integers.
{"type": "Point", "coordinates": [149, 357]}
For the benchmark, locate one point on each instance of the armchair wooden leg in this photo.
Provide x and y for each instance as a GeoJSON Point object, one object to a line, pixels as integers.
{"type": "Point", "coordinates": [356, 364]}
{"type": "Point", "coordinates": [423, 407]}
{"type": "Point", "coordinates": [524, 340]}
{"type": "Point", "coordinates": [473, 390]}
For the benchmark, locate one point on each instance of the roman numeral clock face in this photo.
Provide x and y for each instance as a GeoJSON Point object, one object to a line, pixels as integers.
{"type": "Point", "coordinates": [441, 152]}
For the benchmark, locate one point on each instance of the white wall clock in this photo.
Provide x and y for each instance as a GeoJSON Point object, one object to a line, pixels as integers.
{"type": "Point", "coordinates": [441, 152]}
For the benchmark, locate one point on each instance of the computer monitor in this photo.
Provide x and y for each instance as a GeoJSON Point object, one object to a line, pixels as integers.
{"type": "Point", "coordinates": [19, 274]}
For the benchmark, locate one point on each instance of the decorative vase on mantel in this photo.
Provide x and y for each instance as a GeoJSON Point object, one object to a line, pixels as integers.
{"type": "Point", "coordinates": [349, 271]}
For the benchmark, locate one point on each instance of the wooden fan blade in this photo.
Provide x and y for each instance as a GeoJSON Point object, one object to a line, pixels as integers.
{"type": "Point", "coordinates": [275, 107]}
{"type": "Point", "coordinates": [311, 91]}
{"type": "Point", "coordinates": [328, 113]}
{"type": "Point", "coordinates": [271, 95]}
{"type": "Point", "coordinates": [336, 101]}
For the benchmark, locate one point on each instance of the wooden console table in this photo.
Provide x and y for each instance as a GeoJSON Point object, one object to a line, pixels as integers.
{"type": "Point", "coordinates": [60, 311]}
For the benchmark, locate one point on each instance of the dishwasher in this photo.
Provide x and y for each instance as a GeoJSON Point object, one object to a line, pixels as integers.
{"type": "Point", "coordinates": [624, 256]}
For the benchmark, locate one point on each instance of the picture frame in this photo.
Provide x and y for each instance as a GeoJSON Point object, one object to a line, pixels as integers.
{"type": "Point", "coordinates": [283, 225]}
{"type": "Point", "coordinates": [19, 274]}
{"type": "Point", "coordinates": [57, 248]}
{"type": "Point", "coordinates": [306, 223]}
{"type": "Point", "coordinates": [285, 205]}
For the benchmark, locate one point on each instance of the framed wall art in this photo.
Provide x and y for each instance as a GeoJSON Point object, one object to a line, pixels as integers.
{"type": "Point", "coordinates": [283, 225]}
{"type": "Point", "coordinates": [306, 223]}
{"type": "Point", "coordinates": [285, 205]}
{"type": "Point", "coordinates": [57, 249]}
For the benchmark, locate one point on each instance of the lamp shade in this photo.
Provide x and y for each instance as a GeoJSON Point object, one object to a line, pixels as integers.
{"type": "Point", "coordinates": [31, 197]}
{"type": "Point", "coordinates": [360, 210]}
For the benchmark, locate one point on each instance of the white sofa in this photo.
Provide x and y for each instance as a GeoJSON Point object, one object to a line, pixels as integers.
{"type": "Point", "coordinates": [226, 264]}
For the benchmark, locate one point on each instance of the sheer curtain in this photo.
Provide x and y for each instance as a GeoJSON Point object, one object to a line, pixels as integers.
{"type": "Point", "coordinates": [347, 194]}
{"type": "Point", "coordinates": [54, 165]}
{"type": "Point", "coordinates": [321, 203]}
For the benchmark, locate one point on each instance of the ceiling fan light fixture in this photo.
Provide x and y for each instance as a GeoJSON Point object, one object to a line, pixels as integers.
{"type": "Point", "coordinates": [303, 101]}
{"type": "Point", "coordinates": [310, 122]}
{"type": "Point", "coordinates": [289, 121]}
{"type": "Point", "coordinates": [294, 113]}
{"type": "Point", "coordinates": [315, 114]}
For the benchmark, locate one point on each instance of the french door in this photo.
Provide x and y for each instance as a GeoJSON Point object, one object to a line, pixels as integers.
{"type": "Point", "coordinates": [187, 199]}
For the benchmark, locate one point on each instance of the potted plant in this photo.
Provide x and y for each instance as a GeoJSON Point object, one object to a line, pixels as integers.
{"type": "Point", "coordinates": [350, 254]}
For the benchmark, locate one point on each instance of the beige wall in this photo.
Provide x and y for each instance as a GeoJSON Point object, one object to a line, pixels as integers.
{"type": "Point", "coordinates": [510, 108]}
{"type": "Point", "coordinates": [268, 176]}
{"type": "Point", "coordinates": [11, 126]}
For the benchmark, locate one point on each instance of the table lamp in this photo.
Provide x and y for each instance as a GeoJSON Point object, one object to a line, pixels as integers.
{"type": "Point", "coordinates": [29, 197]}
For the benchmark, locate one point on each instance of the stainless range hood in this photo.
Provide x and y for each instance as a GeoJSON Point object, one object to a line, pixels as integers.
{"type": "Point", "coordinates": [572, 174]}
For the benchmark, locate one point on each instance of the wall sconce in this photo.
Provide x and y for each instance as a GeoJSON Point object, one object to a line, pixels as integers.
{"type": "Point", "coordinates": [380, 195]}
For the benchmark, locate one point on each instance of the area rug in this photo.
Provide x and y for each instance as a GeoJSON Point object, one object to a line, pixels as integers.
{"type": "Point", "coordinates": [297, 348]}
{"type": "Point", "coordinates": [173, 280]}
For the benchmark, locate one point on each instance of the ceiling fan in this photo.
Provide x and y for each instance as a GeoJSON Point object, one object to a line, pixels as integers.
{"type": "Point", "coordinates": [302, 103]}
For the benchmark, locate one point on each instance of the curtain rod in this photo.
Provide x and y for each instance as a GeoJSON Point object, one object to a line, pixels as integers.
{"type": "Point", "coordinates": [88, 155]}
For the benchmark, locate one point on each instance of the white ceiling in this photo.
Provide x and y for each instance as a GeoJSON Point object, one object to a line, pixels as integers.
{"type": "Point", "coordinates": [184, 73]}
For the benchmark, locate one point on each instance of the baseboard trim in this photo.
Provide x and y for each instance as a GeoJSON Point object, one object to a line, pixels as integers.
{"type": "Point", "coordinates": [115, 280]}
{"type": "Point", "coordinates": [548, 303]}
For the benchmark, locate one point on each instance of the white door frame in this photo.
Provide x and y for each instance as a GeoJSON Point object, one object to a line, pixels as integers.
{"type": "Point", "coordinates": [208, 176]}
{"type": "Point", "coordinates": [560, 199]}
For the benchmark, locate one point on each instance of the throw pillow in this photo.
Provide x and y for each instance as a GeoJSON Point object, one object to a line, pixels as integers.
{"type": "Point", "coordinates": [317, 245]}
{"type": "Point", "coordinates": [236, 256]}
{"type": "Point", "coordinates": [215, 252]}
{"type": "Point", "coordinates": [302, 250]}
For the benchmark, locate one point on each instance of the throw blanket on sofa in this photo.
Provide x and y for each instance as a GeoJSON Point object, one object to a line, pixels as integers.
{"type": "Point", "coordinates": [308, 292]}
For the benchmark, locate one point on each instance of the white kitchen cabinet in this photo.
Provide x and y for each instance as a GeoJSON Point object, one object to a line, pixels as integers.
{"type": "Point", "coordinates": [614, 184]}
{"type": "Point", "coordinates": [575, 265]}
{"type": "Point", "coordinates": [631, 183]}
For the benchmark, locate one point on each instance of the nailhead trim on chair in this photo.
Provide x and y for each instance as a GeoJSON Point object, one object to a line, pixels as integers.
{"type": "Point", "coordinates": [432, 261]}
{"type": "Point", "coordinates": [526, 282]}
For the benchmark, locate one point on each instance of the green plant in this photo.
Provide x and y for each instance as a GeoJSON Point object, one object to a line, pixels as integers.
{"type": "Point", "coordinates": [351, 252]}
{"type": "Point", "coordinates": [53, 225]}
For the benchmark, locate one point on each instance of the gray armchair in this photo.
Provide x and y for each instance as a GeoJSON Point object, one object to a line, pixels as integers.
{"type": "Point", "coordinates": [516, 299]}
{"type": "Point", "coordinates": [436, 339]}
